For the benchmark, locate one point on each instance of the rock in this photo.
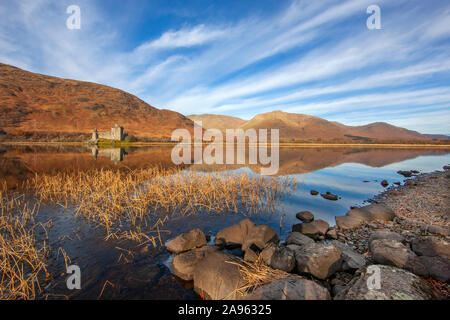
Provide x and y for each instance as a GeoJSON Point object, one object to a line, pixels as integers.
{"type": "Point", "coordinates": [298, 238]}
{"type": "Point", "coordinates": [290, 288]}
{"type": "Point", "coordinates": [372, 212]}
{"type": "Point", "coordinates": [397, 183]}
{"type": "Point", "coordinates": [329, 196]}
{"type": "Point", "coordinates": [395, 284]}
{"type": "Point", "coordinates": [431, 246]}
{"type": "Point", "coordinates": [440, 230]}
{"type": "Point", "coordinates": [187, 241]}
{"type": "Point", "coordinates": [385, 234]}
{"type": "Point", "coordinates": [410, 183]}
{"type": "Point", "coordinates": [438, 267]}
{"type": "Point", "coordinates": [384, 183]}
{"type": "Point", "coordinates": [346, 222]}
{"type": "Point", "coordinates": [406, 174]}
{"type": "Point", "coordinates": [305, 216]}
{"type": "Point", "coordinates": [331, 234]}
{"type": "Point", "coordinates": [183, 264]}
{"type": "Point", "coordinates": [251, 255]}
{"type": "Point", "coordinates": [259, 236]}
{"type": "Point", "coordinates": [351, 260]}
{"type": "Point", "coordinates": [234, 236]}
{"type": "Point", "coordinates": [446, 167]}
{"type": "Point", "coordinates": [319, 260]}
{"type": "Point", "coordinates": [216, 278]}
{"type": "Point", "coordinates": [279, 257]}
{"type": "Point", "coordinates": [394, 253]}
{"type": "Point", "coordinates": [314, 192]}
{"type": "Point", "coordinates": [314, 229]}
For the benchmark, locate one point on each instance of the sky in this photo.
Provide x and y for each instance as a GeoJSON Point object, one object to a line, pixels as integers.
{"type": "Point", "coordinates": [242, 58]}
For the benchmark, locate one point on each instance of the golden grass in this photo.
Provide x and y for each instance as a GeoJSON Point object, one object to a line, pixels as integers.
{"type": "Point", "coordinates": [22, 263]}
{"type": "Point", "coordinates": [256, 274]}
{"type": "Point", "coordinates": [126, 202]}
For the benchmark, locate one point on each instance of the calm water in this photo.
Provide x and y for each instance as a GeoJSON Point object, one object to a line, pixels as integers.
{"type": "Point", "coordinates": [354, 174]}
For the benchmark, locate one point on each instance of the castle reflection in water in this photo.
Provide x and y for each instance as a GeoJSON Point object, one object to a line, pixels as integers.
{"type": "Point", "coordinates": [115, 154]}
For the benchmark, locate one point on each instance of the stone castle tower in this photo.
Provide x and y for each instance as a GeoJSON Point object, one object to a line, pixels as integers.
{"type": "Point", "coordinates": [116, 133]}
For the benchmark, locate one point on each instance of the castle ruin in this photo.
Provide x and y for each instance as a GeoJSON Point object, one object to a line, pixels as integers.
{"type": "Point", "coordinates": [116, 133]}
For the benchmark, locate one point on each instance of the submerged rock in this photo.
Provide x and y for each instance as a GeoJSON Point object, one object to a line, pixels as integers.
{"type": "Point", "coordinates": [290, 288]}
{"type": "Point", "coordinates": [187, 241]}
{"type": "Point", "coordinates": [329, 196]}
{"type": "Point", "coordinates": [395, 284]}
{"type": "Point", "coordinates": [385, 183]}
{"type": "Point", "coordinates": [404, 173]}
{"type": "Point", "coordinates": [314, 192]}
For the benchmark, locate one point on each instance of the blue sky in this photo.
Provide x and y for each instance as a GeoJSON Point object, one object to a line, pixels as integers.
{"type": "Point", "coordinates": [242, 58]}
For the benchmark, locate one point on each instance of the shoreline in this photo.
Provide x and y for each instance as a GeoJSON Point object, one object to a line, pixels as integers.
{"type": "Point", "coordinates": [422, 210]}
{"type": "Point", "coordinates": [301, 145]}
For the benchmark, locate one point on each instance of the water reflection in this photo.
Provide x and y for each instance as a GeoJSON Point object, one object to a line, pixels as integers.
{"type": "Point", "coordinates": [114, 154]}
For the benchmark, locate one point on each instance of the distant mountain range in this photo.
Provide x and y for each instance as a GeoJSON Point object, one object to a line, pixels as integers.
{"type": "Point", "coordinates": [32, 103]}
{"type": "Point", "coordinates": [295, 126]}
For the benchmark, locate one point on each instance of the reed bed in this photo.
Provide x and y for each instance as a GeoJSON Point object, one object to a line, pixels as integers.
{"type": "Point", "coordinates": [126, 202]}
{"type": "Point", "coordinates": [22, 261]}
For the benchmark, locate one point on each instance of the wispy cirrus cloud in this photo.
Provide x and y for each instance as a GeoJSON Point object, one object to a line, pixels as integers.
{"type": "Point", "coordinates": [315, 57]}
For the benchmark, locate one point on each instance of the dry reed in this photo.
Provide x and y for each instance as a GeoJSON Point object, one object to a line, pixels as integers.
{"type": "Point", "coordinates": [256, 274]}
{"type": "Point", "coordinates": [124, 202]}
{"type": "Point", "coordinates": [22, 263]}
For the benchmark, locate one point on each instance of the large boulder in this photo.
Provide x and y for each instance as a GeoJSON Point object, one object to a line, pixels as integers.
{"type": "Point", "coordinates": [298, 239]}
{"type": "Point", "coordinates": [372, 212]}
{"type": "Point", "coordinates": [394, 253]}
{"type": "Point", "coordinates": [385, 234]}
{"type": "Point", "coordinates": [319, 260]}
{"type": "Point", "coordinates": [279, 257]}
{"type": "Point", "coordinates": [305, 216]}
{"type": "Point", "coordinates": [347, 223]}
{"type": "Point", "coordinates": [234, 235]}
{"type": "Point", "coordinates": [438, 267]}
{"type": "Point", "coordinates": [395, 284]}
{"type": "Point", "coordinates": [440, 230]}
{"type": "Point", "coordinates": [351, 260]}
{"type": "Point", "coordinates": [290, 288]}
{"type": "Point", "coordinates": [187, 241]}
{"type": "Point", "coordinates": [431, 247]}
{"type": "Point", "coordinates": [314, 229]}
{"type": "Point", "coordinates": [259, 236]}
{"type": "Point", "coordinates": [183, 265]}
{"type": "Point", "coordinates": [217, 277]}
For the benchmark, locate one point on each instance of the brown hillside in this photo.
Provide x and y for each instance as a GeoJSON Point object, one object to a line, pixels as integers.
{"type": "Point", "coordinates": [36, 103]}
{"type": "Point", "coordinates": [295, 126]}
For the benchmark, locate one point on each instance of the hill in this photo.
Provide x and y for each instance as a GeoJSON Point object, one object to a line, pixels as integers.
{"type": "Point", "coordinates": [40, 104]}
{"type": "Point", "coordinates": [301, 127]}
